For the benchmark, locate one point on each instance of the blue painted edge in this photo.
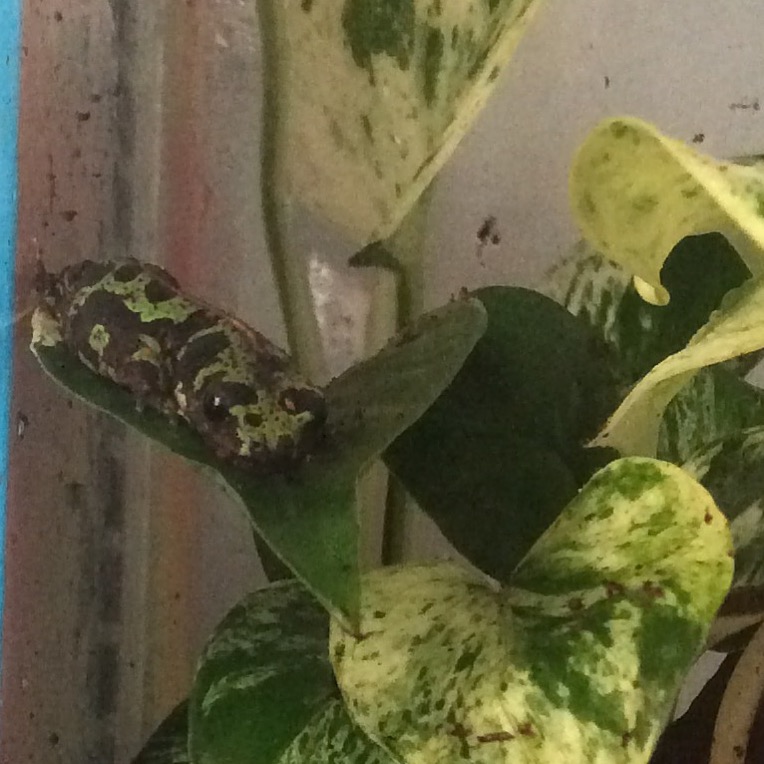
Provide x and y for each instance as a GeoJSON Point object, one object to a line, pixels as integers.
{"type": "Point", "coordinates": [10, 51]}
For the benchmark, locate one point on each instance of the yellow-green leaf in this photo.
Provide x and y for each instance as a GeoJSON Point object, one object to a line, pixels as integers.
{"type": "Point", "coordinates": [636, 193]}
{"type": "Point", "coordinates": [735, 329]}
{"type": "Point", "coordinates": [578, 660]}
{"type": "Point", "coordinates": [374, 96]}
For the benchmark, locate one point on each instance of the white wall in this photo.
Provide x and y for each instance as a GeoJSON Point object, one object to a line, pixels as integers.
{"type": "Point", "coordinates": [683, 64]}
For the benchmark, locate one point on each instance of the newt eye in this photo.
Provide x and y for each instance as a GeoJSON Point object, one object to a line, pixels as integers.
{"type": "Point", "coordinates": [215, 408]}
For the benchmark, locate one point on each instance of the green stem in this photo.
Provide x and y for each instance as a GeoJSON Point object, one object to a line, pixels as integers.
{"type": "Point", "coordinates": [397, 522]}
{"type": "Point", "coordinates": [289, 268]}
{"type": "Point", "coordinates": [407, 245]}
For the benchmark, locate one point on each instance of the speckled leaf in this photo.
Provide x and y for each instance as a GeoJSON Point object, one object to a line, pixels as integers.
{"type": "Point", "coordinates": [636, 193]}
{"type": "Point", "coordinates": [732, 469]}
{"type": "Point", "coordinates": [736, 329]}
{"type": "Point", "coordinates": [265, 693]}
{"type": "Point", "coordinates": [499, 454]}
{"type": "Point", "coordinates": [698, 273]}
{"type": "Point", "coordinates": [578, 660]}
{"type": "Point", "coordinates": [169, 744]}
{"type": "Point", "coordinates": [375, 96]}
{"type": "Point", "coordinates": [309, 518]}
{"type": "Point", "coordinates": [715, 403]}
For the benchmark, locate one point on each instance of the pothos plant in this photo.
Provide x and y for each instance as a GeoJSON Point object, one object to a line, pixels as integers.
{"type": "Point", "coordinates": [593, 448]}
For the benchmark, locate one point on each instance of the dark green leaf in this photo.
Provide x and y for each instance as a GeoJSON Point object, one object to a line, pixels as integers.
{"type": "Point", "coordinates": [265, 692]}
{"type": "Point", "coordinates": [169, 744]}
{"type": "Point", "coordinates": [310, 519]}
{"type": "Point", "coordinates": [499, 454]}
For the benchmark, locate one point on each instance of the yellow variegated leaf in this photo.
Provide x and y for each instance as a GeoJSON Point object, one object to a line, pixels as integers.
{"type": "Point", "coordinates": [374, 96]}
{"type": "Point", "coordinates": [636, 193]}
{"type": "Point", "coordinates": [578, 660]}
{"type": "Point", "coordinates": [735, 329]}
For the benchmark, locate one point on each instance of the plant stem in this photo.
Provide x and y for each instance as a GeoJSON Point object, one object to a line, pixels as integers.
{"type": "Point", "coordinates": [397, 522]}
{"type": "Point", "coordinates": [407, 245]}
{"type": "Point", "coordinates": [289, 268]}
{"type": "Point", "coordinates": [290, 272]}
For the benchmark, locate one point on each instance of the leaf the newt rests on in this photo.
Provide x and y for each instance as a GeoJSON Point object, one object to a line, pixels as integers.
{"type": "Point", "coordinates": [309, 519]}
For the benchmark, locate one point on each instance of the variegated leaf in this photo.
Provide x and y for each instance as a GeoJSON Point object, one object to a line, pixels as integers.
{"type": "Point", "coordinates": [636, 193]}
{"type": "Point", "coordinates": [732, 469]}
{"type": "Point", "coordinates": [376, 95]}
{"type": "Point", "coordinates": [332, 738]}
{"type": "Point", "coordinates": [264, 692]}
{"type": "Point", "coordinates": [734, 330]}
{"type": "Point", "coordinates": [592, 288]}
{"type": "Point", "coordinates": [714, 404]}
{"type": "Point", "coordinates": [577, 661]}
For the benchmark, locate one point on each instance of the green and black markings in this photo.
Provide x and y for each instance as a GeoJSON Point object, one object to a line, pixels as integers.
{"type": "Point", "coordinates": [130, 322]}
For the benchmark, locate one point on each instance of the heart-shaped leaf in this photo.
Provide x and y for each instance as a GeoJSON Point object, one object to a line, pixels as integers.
{"type": "Point", "coordinates": [264, 692]}
{"type": "Point", "coordinates": [499, 454]}
{"type": "Point", "coordinates": [169, 744]}
{"type": "Point", "coordinates": [373, 97]}
{"type": "Point", "coordinates": [636, 193]}
{"type": "Point", "coordinates": [310, 519]}
{"type": "Point", "coordinates": [578, 660]}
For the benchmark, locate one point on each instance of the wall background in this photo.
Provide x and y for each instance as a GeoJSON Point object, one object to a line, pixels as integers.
{"type": "Point", "coordinates": [139, 134]}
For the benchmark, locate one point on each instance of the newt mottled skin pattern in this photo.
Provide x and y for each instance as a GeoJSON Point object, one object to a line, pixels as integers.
{"type": "Point", "coordinates": [130, 322]}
